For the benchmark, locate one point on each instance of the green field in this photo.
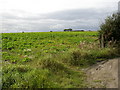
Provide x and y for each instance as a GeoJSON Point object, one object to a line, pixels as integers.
{"type": "Point", "coordinates": [50, 59]}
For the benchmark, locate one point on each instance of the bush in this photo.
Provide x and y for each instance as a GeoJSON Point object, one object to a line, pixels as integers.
{"type": "Point", "coordinates": [84, 58]}
{"type": "Point", "coordinates": [110, 30]}
{"type": "Point", "coordinates": [77, 58]}
{"type": "Point", "coordinates": [51, 63]}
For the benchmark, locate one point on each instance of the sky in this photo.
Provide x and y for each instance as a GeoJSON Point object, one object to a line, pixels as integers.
{"type": "Point", "coordinates": [54, 15]}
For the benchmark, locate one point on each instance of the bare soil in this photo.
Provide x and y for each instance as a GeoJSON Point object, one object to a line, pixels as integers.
{"type": "Point", "coordinates": [103, 74]}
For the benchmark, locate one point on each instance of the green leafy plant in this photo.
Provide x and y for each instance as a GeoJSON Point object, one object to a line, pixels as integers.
{"type": "Point", "coordinates": [26, 59]}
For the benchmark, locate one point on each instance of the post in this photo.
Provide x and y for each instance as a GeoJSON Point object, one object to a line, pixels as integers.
{"type": "Point", "coordinates": [102, 41]}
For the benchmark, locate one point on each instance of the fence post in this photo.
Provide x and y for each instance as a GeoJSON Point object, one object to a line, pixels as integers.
{"type": "Point", "coordinates": [102, 41]}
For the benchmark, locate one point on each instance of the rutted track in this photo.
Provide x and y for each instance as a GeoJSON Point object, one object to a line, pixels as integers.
{"type": "Point", "coordinates": [104, 74]}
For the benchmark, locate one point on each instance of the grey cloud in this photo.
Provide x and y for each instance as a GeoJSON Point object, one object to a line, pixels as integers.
{"type": "Point", "coordinates": [79, 14]}
{"type": "Point", "coordinates": [63, 15]}
{"type": "Point", "coordinates": [76, 19]}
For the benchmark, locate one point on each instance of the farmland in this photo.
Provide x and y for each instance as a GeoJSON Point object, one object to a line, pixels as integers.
{"type": "Point", "coordinates": [50, 59]}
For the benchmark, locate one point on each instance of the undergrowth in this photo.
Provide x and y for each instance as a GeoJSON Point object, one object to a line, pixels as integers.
{"type": "Point", "coordinates": [49, 62]}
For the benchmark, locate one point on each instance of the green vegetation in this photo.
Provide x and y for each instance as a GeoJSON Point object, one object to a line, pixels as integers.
{"type": "Point", "coordinates": [50, 59]}
{"type": "Point", "coordinates": [110, 31]}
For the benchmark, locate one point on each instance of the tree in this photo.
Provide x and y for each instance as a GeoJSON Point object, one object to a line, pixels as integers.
{"type": "Point", "coordinates": [110, 30]}
{"type": "Point", "coordinates": [68, 29]}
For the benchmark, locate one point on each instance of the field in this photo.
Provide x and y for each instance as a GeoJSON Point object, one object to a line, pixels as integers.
{"type": "Point", "coordinates": [50, 59]}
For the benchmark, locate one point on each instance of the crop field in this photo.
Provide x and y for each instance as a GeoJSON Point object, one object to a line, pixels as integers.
{"type": "Point", "coordinates": [18, 47]}
{"type": "Point", "coordinates": [50, 59]}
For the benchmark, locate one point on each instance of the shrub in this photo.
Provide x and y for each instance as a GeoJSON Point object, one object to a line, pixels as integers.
{"type": "Point", "coordinates": [76, 57]}
{"type": "Point", "coordinates": [110, 30]}
{"type": "Point", "coordinates": [51, 64]}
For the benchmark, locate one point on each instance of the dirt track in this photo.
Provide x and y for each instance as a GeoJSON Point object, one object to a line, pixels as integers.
{"type": "Point", "coordinates": [103, 75]}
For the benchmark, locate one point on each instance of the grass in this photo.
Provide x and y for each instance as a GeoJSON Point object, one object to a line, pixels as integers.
{"type": "Point", "coordinates": [50, 59]}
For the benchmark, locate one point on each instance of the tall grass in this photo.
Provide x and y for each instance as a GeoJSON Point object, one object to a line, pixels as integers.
{"type": "Point", "coordinates": [22, 76]}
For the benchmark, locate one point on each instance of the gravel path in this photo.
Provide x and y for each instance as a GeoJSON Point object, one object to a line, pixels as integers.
{"type": "Point", "coordinates": [103, 75]}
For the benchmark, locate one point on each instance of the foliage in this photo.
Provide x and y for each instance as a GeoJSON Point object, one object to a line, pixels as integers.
{"type": "Point", "coordinates": [110, 30]}
{"type": "Point", "coordinates": [20, 76]}
{"type": "Point", "coordinates": [50, 60]}
{"type": "Point", "coordinates": [68, 29]}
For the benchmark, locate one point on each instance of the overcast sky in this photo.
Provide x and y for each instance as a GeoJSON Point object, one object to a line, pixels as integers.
{"type": "Point", "coordinates": [55, 15]}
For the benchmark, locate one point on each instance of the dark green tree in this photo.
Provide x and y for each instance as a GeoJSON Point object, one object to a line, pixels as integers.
{"type": "Point", "coordinates": [68, 29]}
{"type": "Point", "coordinates": [110, 31]}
